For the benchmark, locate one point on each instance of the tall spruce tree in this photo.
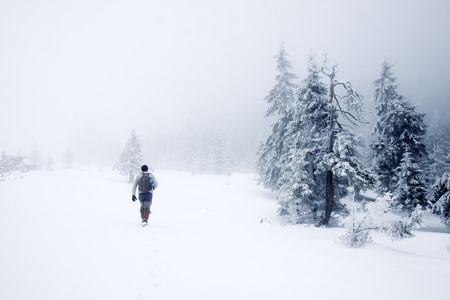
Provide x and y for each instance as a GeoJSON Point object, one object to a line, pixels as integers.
{"type": "Point", "coordinates": [130, 161]}
{"type": "Point", "coordinates": [398, 125]}
{"type": "Point", "coordinates": [301, 186]}
{"type": "Point", "coordinates": [280, 100]}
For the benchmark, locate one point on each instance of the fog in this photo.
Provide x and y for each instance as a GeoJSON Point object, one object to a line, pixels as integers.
{"type": "Point", "coordinates": [82, 75]}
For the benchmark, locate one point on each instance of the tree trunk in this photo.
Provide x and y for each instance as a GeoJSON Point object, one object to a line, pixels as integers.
{"type": "Point", "coordinates": [329, 197]}
{"type": "Point", "coordinates": [329, 185]}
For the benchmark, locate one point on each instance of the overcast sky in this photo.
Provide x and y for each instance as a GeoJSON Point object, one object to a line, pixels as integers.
{"type": "Point", "coordinates": [84, 73]}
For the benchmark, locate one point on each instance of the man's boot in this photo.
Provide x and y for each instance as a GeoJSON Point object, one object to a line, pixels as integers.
{"type": "Point", "coordinates": [146, 214]}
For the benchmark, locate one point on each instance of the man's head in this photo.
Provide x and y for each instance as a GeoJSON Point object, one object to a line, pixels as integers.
{"type": "Point", "coordinates": [144, 168]}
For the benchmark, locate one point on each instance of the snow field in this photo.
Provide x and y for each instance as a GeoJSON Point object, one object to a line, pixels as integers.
{"type": "Point", "coordinates": [76, 234]}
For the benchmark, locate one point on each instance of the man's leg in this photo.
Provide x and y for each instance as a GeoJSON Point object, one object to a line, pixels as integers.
{"type": "Point", "coordinates": [146, 202]}
{"type": "Point", "coordinates": [142, 210]}
{"type": "Point", "coordinates": [147, 205]}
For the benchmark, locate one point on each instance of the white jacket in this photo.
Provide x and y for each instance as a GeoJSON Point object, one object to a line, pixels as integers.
{"type": "Point", "coordinates": [136, 182]}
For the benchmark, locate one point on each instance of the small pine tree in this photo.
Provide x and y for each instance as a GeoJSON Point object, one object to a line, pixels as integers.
{"type": "Point", "coordinates": [411, 188]}
{"type": "Point", "coordinates": [378, 217]}
{"type": "Point", "coordinates": [131, 158]}
{"type": "Point", "coordinates": [358, 228]}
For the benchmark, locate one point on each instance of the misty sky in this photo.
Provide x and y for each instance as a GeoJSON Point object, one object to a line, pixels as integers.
{"type": "Point", "coordinates": [83, 74]}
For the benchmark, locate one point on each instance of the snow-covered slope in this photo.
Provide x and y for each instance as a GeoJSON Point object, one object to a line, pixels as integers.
{"type": "Point", "coordinates": [76, 235]}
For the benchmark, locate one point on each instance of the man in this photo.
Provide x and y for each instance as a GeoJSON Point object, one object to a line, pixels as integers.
{"type": "Point", "coordinates": [147, 183]}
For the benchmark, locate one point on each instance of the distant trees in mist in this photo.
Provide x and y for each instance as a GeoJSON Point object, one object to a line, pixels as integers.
{"type": "Point", "coordinates": [191, 150]}
{"type": "Point", "coordinates": [187, 151]}
{"type": "Point", "coordinates": [33, 162]}
{"type": "Point", "coordinates": [9, 163]}
{"type": "Point", "coordinates": [314, 154]}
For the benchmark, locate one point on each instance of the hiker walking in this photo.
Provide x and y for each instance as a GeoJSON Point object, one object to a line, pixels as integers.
{"type": "Point", "coordinates": [147, 183]}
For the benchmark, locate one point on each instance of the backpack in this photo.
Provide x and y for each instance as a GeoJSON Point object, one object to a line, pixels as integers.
{"type": "Point", "coordinates": [145, 183]}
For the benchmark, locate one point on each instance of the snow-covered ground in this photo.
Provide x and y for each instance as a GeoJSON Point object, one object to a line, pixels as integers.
{"type": "Point", "coordinates": [76, 234]}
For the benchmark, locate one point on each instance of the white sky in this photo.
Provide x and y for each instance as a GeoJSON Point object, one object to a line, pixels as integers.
{"type": "Point", "coordinates": [84, 73]}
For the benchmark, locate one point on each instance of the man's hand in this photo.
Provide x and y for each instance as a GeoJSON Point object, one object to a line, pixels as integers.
{"type": "Point", "coordinates": [133, 198]}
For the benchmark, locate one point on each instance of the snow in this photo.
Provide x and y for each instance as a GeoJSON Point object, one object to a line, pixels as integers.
{"type": "Point", "coordinates": [76, 234]}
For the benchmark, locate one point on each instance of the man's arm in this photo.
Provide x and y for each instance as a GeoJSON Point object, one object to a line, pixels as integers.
{"type": "Point", "coordinates": [155, 182]}
{"type": "Point", "coordinates": [136, 181]}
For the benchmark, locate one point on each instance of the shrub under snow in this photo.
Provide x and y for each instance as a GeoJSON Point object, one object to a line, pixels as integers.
{"type": "Point", "coordinates": [378, 216]}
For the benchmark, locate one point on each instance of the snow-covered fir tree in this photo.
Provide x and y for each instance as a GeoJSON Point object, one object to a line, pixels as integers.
{"type": "Point", "coordinates": [280, 100]}
{"type": "Point", "coordinates": [439, 198]}
{"type": "Point", "coordinates": [131, 160]}
{"type": "Point", "coordinates": [301, 187]}
{"type": "Point", "coordinates": [411, 189]}
{"type": "Point", "coordinates": [398, 125]}
{"type": "Point", "coordinates": [306, 157]}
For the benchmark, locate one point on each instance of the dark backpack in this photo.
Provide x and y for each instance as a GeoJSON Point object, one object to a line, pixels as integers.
{"type": "Point", "coordinates": [145, 183]}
